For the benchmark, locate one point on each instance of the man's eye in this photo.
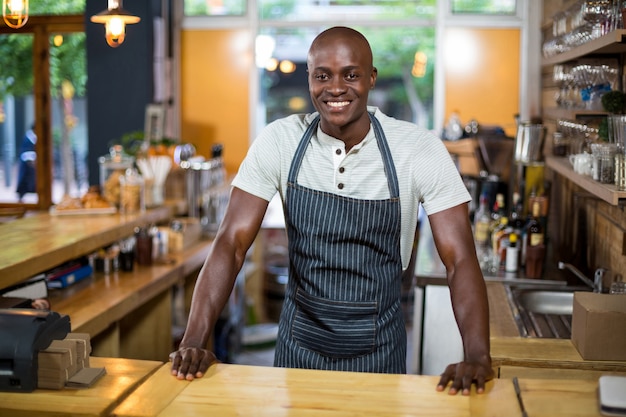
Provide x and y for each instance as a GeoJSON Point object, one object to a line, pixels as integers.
{"type": "Point", "coordinates": [351, 76]}
{"type": "Point", "coordinates": [321, 77]}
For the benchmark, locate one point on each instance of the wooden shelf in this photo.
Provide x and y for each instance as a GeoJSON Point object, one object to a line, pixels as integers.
{"type": "Point", "coordinates": [606, 192]}
{"type": "Point", "coordinates": [556, 113]}
{"type": "Point", "coordinates": [611, 43]}
{"type": "Point", "coordinates": [34, 244]}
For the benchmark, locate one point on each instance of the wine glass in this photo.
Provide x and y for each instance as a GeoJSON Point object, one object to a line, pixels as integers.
{"type": "Point", "coordinates": [597, 13]}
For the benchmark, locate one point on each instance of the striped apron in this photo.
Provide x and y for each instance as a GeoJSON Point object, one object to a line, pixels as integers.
{"type": "Point", "coordinates": [342, 303]}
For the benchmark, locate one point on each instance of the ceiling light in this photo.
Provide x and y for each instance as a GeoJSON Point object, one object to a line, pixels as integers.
{"type": "Point", "coordinates": [115, 19]}
{"type": "Point", "coordinates": [15, 13]}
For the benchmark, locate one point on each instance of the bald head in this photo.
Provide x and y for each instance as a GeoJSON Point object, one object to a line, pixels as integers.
{"type": "Point", "coordinates": [330, 38]}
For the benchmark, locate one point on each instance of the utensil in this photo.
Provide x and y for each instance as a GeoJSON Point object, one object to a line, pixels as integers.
{"type": "Point", "coordinates": [518, 392]}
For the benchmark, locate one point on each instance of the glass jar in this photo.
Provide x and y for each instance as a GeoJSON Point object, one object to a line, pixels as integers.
{"type": "Point", "coordinates": [607, 164]}
{"type": "Point", "coordinates": [131, 192]}
{"type": "Point", "coordinates": [560, 144]}
{"type": "Point", "coordinates": [112, 168]}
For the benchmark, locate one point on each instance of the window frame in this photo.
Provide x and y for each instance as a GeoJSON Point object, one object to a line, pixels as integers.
{"type": "Point", "coordinates": [527, 18]}
{"type": "Point", "coordinates": [42, 26]}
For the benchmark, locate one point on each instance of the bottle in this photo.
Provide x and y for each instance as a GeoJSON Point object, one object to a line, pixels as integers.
{"type": "Point", "coordinates": [535, 247]}
{"type": "Point", "coordinates": [482, 220]}
{"type": "Point", "coordinates": [535, 236]}
{"type": "Point", "coordinates": [497, 213]}
{"type": "Point", "coordinates": [512, 254]}
{"type": "Point", "coordinates": [499, 241]}
{"type": "Point", "coordinates": [516, 217]}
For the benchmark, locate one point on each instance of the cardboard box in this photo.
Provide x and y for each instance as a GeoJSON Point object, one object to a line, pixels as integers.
{"type": "Point", "coordinates": [599, 326]}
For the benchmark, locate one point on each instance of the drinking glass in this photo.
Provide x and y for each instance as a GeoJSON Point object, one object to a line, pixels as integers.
{"type": "Point", "coordinates": [597, 13]}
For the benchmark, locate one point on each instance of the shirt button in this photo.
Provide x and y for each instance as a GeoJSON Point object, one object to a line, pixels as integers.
{"type": "Point", "coordinates": [341, 170]}
{"type": "Point", "coordinates": [340, 186]}
{"type": "Point", "coordinates": [338, 151]}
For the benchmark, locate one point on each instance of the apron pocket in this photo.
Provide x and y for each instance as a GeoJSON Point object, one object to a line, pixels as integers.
{"type": "Point", "coordinates": [339, 329]}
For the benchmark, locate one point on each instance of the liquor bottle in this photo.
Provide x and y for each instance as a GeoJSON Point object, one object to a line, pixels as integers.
{"type": "Point", "coordinates": [497, 213]}
{"type": "Point", "coordinates": [501, 242]}
{"type": "Point", "coordinates": [516, 218]}
{"type": "Point", "coordinates": [482, 220]}
{"type": "Point", "coordinates": [512, 254]}
{"type": "Point", "coordinates": [535, 236]}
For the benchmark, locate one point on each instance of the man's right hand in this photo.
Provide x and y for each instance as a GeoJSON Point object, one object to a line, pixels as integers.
{"type": "Point", "coordinates": [189, 363]}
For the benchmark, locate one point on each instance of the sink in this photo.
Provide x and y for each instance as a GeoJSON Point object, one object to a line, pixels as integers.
{"type": "Point", "coordinates": [546, 301]}
{"type": "Point", "coordinates": [543, 312]}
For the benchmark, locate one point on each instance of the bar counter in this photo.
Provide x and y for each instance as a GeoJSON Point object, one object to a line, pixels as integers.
{"type": "Point", "coordinates": [510, 353]}
{"type": "Point", "coordinates": [42, 241]}
{"type": "Point", "coordinates": [122, 377]}
{"type": "Point", "coordinates": [237, 390]}
{"type": "Point", "coordinates": [127, 314]}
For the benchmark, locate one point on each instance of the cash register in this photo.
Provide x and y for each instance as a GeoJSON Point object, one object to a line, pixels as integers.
{"type": "Point", "coordinates": [23, 333]}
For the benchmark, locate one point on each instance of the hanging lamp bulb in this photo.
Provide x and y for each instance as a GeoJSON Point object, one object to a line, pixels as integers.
{"type": "Point", "coordinates": [15, 13]}
{"type": "Point", "coordinates": [115, 19]}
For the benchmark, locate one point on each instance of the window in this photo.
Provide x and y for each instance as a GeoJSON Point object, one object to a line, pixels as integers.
{"type": "Point", "coordinates": [215, 7]}
{"type": "Point", "coordinates": [412, 83]}
{"type": "Point", "coordinates": [404, 58]}
{"type": "Point", "coordinates": [495, 7]}
{"type": "Point", "coordinates": [401, 34]}
{"type": "Point", "coordinates": [350, 10]}
{"type": "Point", "coordinates": [42, 106]}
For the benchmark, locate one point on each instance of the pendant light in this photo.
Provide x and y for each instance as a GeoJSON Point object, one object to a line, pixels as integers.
{"type": "Point", "coordinates": [15, 13]}
{"type": "Point", "coordinates": [115, 19]}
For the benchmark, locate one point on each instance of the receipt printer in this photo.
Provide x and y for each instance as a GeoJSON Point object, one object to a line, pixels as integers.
{"type": "Point", "coordinates": [23, 333]}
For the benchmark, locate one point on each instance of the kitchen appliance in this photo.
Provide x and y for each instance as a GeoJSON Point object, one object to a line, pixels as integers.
{"type": "Point", "coordinates": [23, 333]}
{"type": "Point", "coordinates": [529, 142]}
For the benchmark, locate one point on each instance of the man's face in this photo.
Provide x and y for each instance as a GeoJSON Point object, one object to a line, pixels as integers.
{"type": "Point", "coordinates": [340, 77]}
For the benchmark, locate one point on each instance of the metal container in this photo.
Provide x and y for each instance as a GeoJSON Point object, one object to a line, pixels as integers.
{"type": "Point", "coordinates": [207, 193]}
{"type": "Point", "coordinates": [529, 142]}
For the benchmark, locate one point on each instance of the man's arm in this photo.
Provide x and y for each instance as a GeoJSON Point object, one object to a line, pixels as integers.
{"type": "Point", "coordinates": [215, 282]}
{"type": "Point", "coordinates": [453, 237]}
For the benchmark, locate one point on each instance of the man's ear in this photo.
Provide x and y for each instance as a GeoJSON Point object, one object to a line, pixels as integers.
{"type": "Point", "coordinates": [374, 75]}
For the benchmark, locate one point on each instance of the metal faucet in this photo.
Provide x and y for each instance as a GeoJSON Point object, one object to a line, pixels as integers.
{"type": "Point", "coordinates": [596, 284]}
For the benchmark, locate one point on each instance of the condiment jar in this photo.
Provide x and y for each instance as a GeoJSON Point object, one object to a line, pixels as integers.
{"type": "Point", "coordinates": [131, 192]}
{"type": "Point", "coordinates": [112, 167]}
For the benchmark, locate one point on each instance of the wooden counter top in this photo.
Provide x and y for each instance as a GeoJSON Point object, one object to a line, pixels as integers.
{"type": "Point", "coordinates": [37, 243]}
{"type": "Point", "coordinates": [546, 353]}
{"type": "Point", "coordinates": [236, 390]}
{"type": "Point", "coordinates": [122, 377]}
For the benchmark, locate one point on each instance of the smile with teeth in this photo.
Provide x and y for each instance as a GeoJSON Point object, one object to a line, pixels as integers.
{"type": "Point", "coordinates": [338, 103]}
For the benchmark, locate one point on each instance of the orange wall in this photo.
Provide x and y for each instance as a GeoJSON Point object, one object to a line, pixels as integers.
{"type": "Point", "coordinates": [482, 75]}
{"type": "Point", "coordinates": [215, 68]}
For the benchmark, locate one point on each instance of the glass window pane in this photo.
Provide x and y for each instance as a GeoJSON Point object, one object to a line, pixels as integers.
{"type": "Point", "coordinates": [17, 115]}
{"type": "Point", "coordinates": [350, 10]}
{"type": "Point", "coordinates": [404, 57]}
{"type": "Point", "coordinates": [56, 7]}
{"type": "Point", "coordinates": [68, 78]}
{"type": "Point", "coordinates": [500, 7]}
{"type": "Point", "coordinates": [215, 7]}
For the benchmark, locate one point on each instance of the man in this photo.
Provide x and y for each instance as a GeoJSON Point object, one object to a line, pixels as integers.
{"type": "Point", "coordinates": [351, 180]}
{"type": "Point", "coordinates": [28, 158]}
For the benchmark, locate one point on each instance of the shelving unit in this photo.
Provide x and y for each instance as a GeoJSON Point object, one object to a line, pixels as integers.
{"type": "Point", "coordinates": [613, 43]}
{"type": "Point", "coordinates": [606, 192]}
